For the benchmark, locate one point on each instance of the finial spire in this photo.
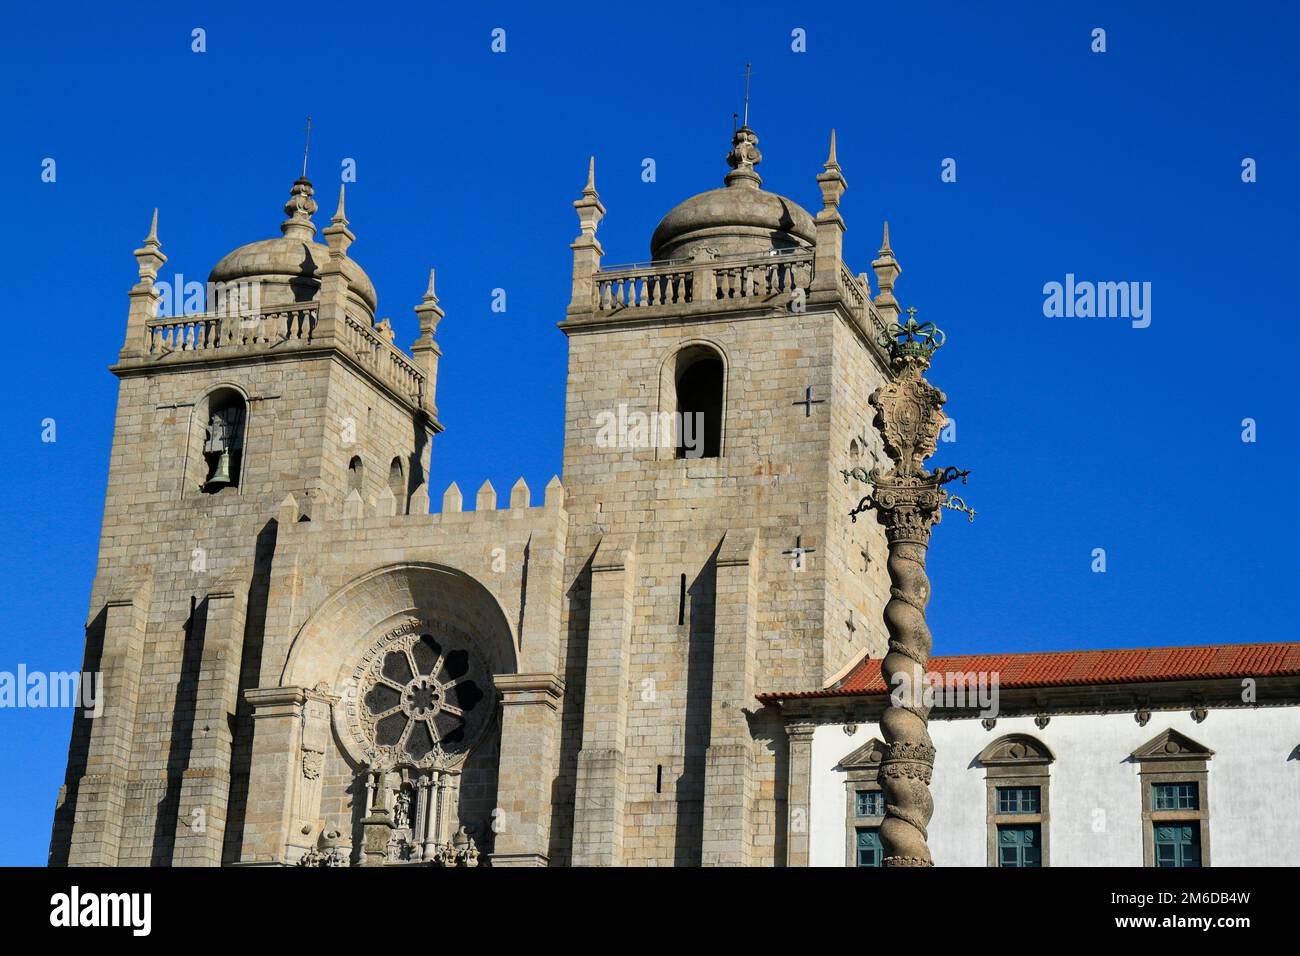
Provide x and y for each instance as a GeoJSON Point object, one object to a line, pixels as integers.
{"type": "Point", "coordinates": [832, 184]}
{"type": "Point", "coordinates": [149, 257]}
{"type": "Point", "coordinates": [429, 295]}
{"type": "Point", "coordinates": [339, 217]}
{"type": "Point", "coordinates": [306, 146]}
{"type": "Point", "coordinates": [887, 272]}
{"type": "Point", "coordinates": [747, 75]}
{"type": "Point", "coordinates": [337, 234]}
{"type": "Point", "coordinates": [590, 210]}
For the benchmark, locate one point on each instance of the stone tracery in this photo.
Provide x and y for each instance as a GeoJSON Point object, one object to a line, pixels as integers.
{"type": "Point", "coordinates": [418, 702]}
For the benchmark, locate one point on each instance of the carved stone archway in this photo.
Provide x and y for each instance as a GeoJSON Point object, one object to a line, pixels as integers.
{"type": "Point", "coordinates": [388, 693]}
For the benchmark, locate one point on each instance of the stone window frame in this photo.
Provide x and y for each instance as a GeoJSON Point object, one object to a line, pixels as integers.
{"type": "Point", "coordinates": [862, 772]}
{"type": "Point", "coordinates": [1172, 757]}
{"type": "Point", "coordinates": [668, 394]}
{"type": "Point", "coordinates": [1017, 760]}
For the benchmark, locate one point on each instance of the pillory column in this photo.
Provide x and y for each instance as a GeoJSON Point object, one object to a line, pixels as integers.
{"type": "Point", "coordinates": [907, 501]}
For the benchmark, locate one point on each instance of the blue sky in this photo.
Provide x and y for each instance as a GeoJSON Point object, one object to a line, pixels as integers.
{"type": "Point", "coordinates": [1080, 433]}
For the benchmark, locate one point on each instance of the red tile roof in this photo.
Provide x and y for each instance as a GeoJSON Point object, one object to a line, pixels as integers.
{"type": "Point", "coordinates": [1080, 668]}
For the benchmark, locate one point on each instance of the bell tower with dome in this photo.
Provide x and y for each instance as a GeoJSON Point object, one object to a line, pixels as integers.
{"type": "Point", "coordinates": [725, 561]}
{"type": "Point", "coordinates": [285, 389]}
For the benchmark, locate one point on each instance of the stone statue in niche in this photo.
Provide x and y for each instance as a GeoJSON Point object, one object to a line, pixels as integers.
{"type": "Point", "coordinates": [402, 810]}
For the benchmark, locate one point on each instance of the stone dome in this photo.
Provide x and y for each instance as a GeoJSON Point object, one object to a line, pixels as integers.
{"type": "Point", "coordinates": [296, 263]}
{"type": "Point", "coordinates": [740, 218]}
{"type": "Point", "coordinates": [288, 267]}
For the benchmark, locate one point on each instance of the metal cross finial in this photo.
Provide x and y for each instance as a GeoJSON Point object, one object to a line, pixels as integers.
{"type": "Point", "coordinates": [747, 75]}
{"type": "Point", "coordinates": [306, 146]}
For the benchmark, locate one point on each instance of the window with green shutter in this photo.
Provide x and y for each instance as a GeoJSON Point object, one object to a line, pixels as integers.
{"type": "Point", "coordinates": [1019, 846]}
{"type": "Point", "coordinates": [870, 851]}
{"type": "Point", "coordinates": [1018, 800]}
{"type": "Point", "coordinates": [1175, 796]}
{"type": "Point", "coordinates": [871, 803]}
{"type": "Point", "coordinates": [1178, 844]}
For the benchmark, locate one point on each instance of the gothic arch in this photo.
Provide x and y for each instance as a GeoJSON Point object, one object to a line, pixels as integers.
{"type": "Point", "coordinates": [333, 640]}
{"type": "Point", "coordinates": [397, 670]}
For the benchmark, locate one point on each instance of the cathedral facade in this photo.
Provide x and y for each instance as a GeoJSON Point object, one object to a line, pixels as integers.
{"type": "Point", "coordinates": [312, 658]}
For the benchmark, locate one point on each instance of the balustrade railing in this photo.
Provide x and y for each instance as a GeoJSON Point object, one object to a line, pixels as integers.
{"type": "Point", "coordinates": [213, 332]}
{"type": "Point", "coordinates": [678, 281]}
{"type": "Point", "coordinates": [638, 286]}
{"type": "Point", "coordinates": [762, 277]}
{"type": "Point", "coordinates": [726, 279]}
{"type": "Point", "coordinates": [385, 359]}
{"type": "Point", "coordinates": [209, 331]}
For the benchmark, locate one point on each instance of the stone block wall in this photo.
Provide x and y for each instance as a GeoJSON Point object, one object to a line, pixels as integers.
{"type": "Point", "coordinates": [159, 526]}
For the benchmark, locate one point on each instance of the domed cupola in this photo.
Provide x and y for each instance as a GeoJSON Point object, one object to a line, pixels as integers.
{"type": "Point", "coordinates": [739, 219]}
{"type": "Point", "coordinates": [287, 269]}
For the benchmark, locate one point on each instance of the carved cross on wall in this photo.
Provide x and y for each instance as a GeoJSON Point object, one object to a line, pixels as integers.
{"type": "Point", "coordinates": [851, 626]}
{"type": "Point", "coordinates": [808, 402]}
{"type": "Point", "coordinates": [799, 551]}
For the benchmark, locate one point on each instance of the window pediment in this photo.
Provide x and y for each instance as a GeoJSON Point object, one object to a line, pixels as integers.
{"type": "Point", "coordinates": [869, 754]}
{"type": "Point", "coordinates": [1015, 750]}
{"type": "Point", "coordinates": [1171, 745]}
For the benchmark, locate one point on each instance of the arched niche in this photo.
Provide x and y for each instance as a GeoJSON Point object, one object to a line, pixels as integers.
{"type": "Point", "coordinates": [216, 453]}
{"type": "Point", "coordinates": [693, 395]}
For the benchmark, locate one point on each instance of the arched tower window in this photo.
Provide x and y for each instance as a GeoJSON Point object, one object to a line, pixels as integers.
{"type": "Point", "coordinates": [224, 416]}
{"type": "Point", "coordinates": [698, 377]}
{"type": "Point", "coordinates": [356, 475]}
{"type": "Point", "coordinates": [397, 480]}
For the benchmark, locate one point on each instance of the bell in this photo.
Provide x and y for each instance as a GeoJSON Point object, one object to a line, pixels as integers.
{"type": "Point", "coordinates": [221, 473]}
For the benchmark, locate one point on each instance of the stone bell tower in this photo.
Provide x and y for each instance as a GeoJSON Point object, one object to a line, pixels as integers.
{"type": "Point", "coordinates": [284, 387]}
{"type": "Point", "coordinates": [715, 394]}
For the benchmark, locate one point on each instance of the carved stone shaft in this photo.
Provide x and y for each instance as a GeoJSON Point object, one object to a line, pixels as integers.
{"type": "Point", "coordinates": [907, 502]}
{"type": "Point", "coordinates": [909, 755]}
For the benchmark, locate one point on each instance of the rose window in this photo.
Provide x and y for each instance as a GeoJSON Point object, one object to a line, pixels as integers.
{"type": "Point", "coordinates": [424, 698]}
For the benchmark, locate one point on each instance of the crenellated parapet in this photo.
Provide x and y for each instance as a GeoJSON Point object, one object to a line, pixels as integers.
{"type": "Point", "coordinates": [386, 505]}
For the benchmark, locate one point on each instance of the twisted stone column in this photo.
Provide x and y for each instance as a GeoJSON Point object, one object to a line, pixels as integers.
{"type": "Point", "coordinates": [907, 501]}
{"type": "Point", "coordinates": [907, 513]}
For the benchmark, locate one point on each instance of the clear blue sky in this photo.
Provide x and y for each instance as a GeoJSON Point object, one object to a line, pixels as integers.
{"type": "Point", "coordinates": [1081, 433]}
